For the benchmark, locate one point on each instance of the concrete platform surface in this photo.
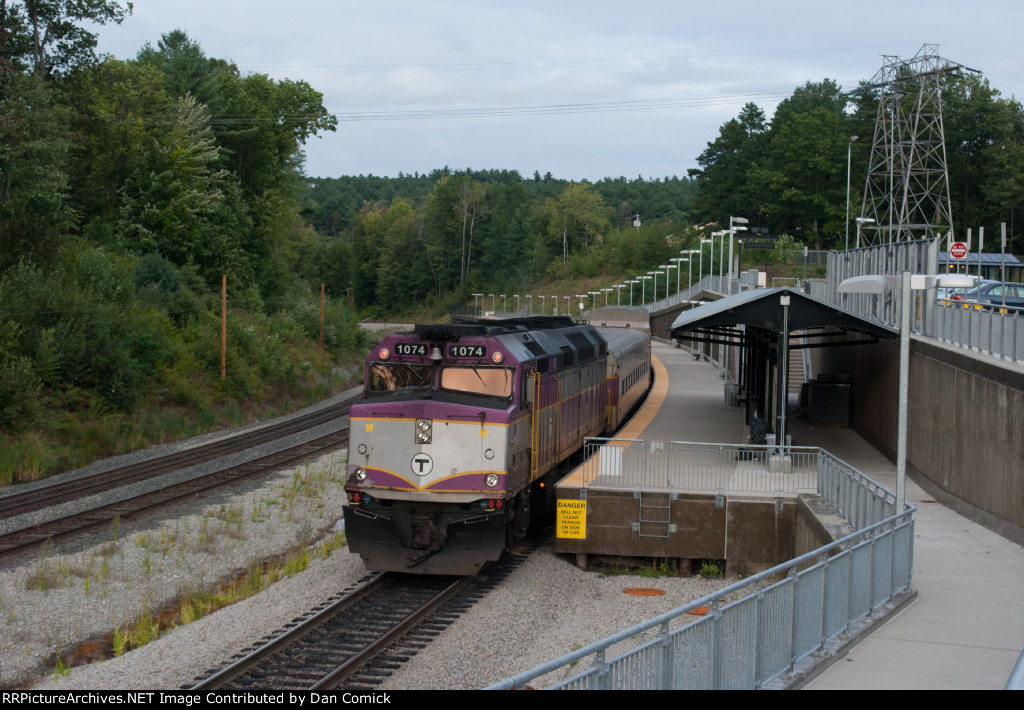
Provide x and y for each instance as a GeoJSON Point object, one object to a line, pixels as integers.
{"type": "Point", "coordinates": [966, 629]}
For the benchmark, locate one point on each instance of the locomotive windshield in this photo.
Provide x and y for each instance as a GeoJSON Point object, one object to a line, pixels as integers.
{"type": "Point", "coordinates": [490, 381]}
{"type": "Point", "coordinates": [400, 376]}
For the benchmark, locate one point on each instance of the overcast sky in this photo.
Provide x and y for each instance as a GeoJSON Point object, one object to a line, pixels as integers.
{"type": "Point", "coordinates": [584, 90]}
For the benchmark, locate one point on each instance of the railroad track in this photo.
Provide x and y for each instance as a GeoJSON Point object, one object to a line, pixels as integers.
{"type": "Point", "coordinates": [356, 640]}
{"type": "Point", "coordinates": [28, 537]}
{"type": "Point", "coordinates": [331, 647]}
{"type": "Point", "coordinates": [56, 493]}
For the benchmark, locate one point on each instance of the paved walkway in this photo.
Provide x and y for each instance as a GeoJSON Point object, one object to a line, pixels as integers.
{"type": "Point", "coordinates": [966, 629]}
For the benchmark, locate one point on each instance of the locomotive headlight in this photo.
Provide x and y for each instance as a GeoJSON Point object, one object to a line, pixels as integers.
{"type": "Point", "coordinates": [491, 479]}
{"type": "Point", "coordinates": [489, 454]}
{"type": "Point", "coordinates": [424, 429]}
{"type": "Point", "coordinates": [360, 474]}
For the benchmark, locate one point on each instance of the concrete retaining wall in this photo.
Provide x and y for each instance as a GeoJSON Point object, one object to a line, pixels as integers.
{"type": "Point", "coordinates": [965, 441]}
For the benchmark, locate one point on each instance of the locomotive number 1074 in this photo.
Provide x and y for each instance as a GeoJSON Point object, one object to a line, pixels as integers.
{"type": "Point", "coordinates": [467, 351]}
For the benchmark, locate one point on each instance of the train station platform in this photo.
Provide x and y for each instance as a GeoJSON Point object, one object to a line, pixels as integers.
{"type": "Point", "coordinates": [966, 628]}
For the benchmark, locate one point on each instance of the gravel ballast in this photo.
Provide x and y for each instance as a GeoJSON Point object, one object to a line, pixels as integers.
{"type": "Point", "coordinates": [547, 607]}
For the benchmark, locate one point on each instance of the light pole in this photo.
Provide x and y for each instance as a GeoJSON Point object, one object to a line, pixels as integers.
{"type": "Point", "coordinates": [642, 280]}
{"type": "Point", "coordinates": [492, 301]}
{"type": "Point", "coordinates": [712, 251]}
{"type": "Point", "coordinates": [618, 293]}
{"type": "Point", "coordinates": [665, 268]}
{"type": "Point", "coordinates": [733, 228]}
{"type": "Point", "coordinates": [689, 267]}
{"type": "Point", "coordinates": [905, 282]}
{"type": "Point", "coordinates": [654, 293]}
{"type": "Point", "coordinates": [503, 302]}
{"type": "Point", "coordinates": [593, 298]}
{"type": "Point", "coordinates": [530, 296]}
{"type": "Point", "coordinates": [516, 296]}
{"type": "Point", "coordinates": [568, 309]}
{"type": "Point", "coordinates": [721, 256]}
{"type": "Point", "coordinates": [631, 282]}
{"type": "Point", "coordinates": [861, 221]}
{"type": "Point", "coordinates": [849, 152]}
{"type": "Point", "coordinates": [605, 291]}
{"type": "Point", "coordinates": [678, 260]}
{"type": "Point", "coordinates": [583, 298]}
{"type": "Point", "coordinates": [476, 306]}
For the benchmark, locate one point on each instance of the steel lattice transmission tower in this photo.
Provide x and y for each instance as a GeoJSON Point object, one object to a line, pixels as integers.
{"type": "Point", "coordinates": [906, 193]}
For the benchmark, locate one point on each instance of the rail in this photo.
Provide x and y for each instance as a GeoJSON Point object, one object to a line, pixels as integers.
{"type": "Point", "coordinates": [767, 629]}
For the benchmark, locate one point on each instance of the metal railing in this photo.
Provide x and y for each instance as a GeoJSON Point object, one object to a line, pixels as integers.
{"type": "Point", "coordinates": [763, 627]}
{"type": "Point", "coordinates": [698, 467]}
{"type": "Point", "coordinates": [985, 330]}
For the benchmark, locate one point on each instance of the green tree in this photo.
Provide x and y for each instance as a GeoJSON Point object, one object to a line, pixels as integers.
{"type": "Point", "coordinates": [51, 35]}
{"type": "Point", "coordinates": [178, 203]}
{"type": "Point", "coordinates": [580, 215]}
{"type": "Point", "coordinates": [722, 182]}
{"type": "Point", "coordinates": [35, 143]}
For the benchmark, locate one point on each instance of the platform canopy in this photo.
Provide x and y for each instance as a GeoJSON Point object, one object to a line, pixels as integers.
{"type": "Point", "coordinates": [762, 308]}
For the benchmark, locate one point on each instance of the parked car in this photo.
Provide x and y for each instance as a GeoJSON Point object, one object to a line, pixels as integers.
{"type": "Point", "coordinates": [951, 294]}
{"type": "Point", "coordinates": [995, 295]}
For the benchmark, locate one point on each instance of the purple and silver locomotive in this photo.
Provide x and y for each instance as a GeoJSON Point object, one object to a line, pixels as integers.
{"type": "Point", "coordinates": [463, 427]}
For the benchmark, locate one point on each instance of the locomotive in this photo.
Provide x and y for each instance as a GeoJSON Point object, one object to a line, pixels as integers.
{"type": "Point", "coordinates": [463, 427]}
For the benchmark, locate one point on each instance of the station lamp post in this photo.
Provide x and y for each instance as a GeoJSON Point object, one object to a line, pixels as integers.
{"type": "Point", "coordinates": [631, 282]}
{"type": "Point", "coordinates": [667, 268]}
{"type": "Point", "coordinates": [618, 293]}
{"type": "Point", "coordinates": [516, 296]}
{"type": "Point", "coordinates": [654, 293]}
{"type": "Point", "coordinates": [689, 267]}
{"type": "Point", "coordinates": [677, 260]}
{"type": "Point", "coordinates": [643, 288]}
{"type": "Point", "coordinates": [593, 298]}
{"type": "Point", "coordinates": [503, 302]}
{"type": "Point", "coordinates": [492, 301]}
{"type": "Point", "coordinates": [733, 228]}
{"type": "Point", "coordinates": [849, 150]}
{"type": "Point", "coordinates": [530, 296]}
{"type": "Point", "coordinates": [861, 221]}
{"type": "Point", "coordinates": [712, 250]}
{"type": "Point", "coordinates": [477, 305]}
{"type": "Point", "coordinates": [905, 282]}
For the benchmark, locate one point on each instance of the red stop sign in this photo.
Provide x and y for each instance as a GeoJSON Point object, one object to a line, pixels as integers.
{"type": "Point", "coordinates": [958, 250]}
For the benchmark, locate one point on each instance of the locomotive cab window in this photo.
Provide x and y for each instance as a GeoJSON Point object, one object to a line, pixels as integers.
{"type": "Point", "coordinates": [400, 376]}
{"type": "Point", "coordinates": [489, 381]}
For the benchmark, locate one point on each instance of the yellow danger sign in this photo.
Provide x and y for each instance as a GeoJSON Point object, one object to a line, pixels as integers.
{"type": "Point", "coordinates": [572, 519]}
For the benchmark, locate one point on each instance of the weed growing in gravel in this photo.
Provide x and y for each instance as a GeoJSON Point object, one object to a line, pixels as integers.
{"type": "Point", "coordinates": [120, 642]}
{"type": "Point", "coordinates": [61, 670]}
{"type": "Point", "coordinates": [329, 544]}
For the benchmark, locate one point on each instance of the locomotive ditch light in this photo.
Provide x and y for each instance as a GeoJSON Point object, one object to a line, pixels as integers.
{"type": "Point", "coordinates": [424, 431]}
{"type": "Point", "coordinates": [491, 480]}
{"type": "Point", "coordinates": [360, 474]}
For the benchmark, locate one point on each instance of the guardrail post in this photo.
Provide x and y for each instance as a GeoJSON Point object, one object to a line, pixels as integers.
{"type": "Point", "coordinates": [667, 659]}
{"type": "Point", "coordinates": [716, 643]}
{"type": "Point", "coordinates": [759, 632]}
{"type": "Point", "coordinates": [604, 681]}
